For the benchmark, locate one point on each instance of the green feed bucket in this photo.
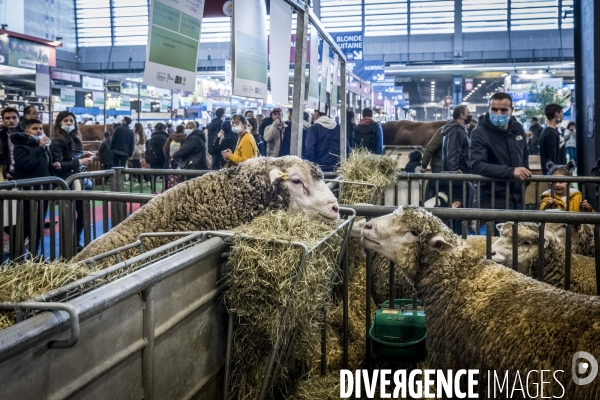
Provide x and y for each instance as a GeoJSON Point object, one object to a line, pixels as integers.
{"type": "Point", "coordinates": [399, 334]}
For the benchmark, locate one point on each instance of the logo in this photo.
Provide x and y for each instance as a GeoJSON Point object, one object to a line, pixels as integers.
{"type": "Point", "coordinates": [247, 89]}
{"type": "Point", "coordinates": [178, 79]}
{"type": "Point", "coordinates": [350, 56]}
{"type": "Point", "coordinates": [161, 77]}
{"type": "Point", "coordinates": [581, 368]}
{"type": "Point", "coordinates": [169, 78]}
{"type": "Point", "coordinates": [519, 137]}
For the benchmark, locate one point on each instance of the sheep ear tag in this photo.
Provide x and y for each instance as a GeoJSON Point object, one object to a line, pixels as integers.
{"type": "Point", "coordinates": [276, 174]}
{"type": "Point", "coordinates": [440, 245]}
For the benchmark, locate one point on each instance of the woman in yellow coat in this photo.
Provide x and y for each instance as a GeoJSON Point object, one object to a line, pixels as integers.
{"type": "Point", "coordinates": [246, 147]}
{"type": "Point", "coordinates": [559, 201]}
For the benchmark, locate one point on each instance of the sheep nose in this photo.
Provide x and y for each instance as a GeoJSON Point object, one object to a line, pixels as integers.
{"type": "Point", "coordinates": [367, 226]}
{"type": "Point", "coordinates": [493, 253]}
{"type": "Point", "coordinates": [335, 208]}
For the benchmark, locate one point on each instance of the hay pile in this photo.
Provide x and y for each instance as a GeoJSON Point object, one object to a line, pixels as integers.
{"type": "Point", "coordinates": [262, 277]}
{"type": "Point", "coordinates": [20, 282]}
{"type": "Point", "coordinates": [363, 166]}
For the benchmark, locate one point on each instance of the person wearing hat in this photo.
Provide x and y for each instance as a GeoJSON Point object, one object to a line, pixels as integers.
{"type": "Point", "coordinates": [274, 133]}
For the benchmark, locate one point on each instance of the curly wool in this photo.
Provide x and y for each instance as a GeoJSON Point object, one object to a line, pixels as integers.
{"type": "Point", "coordinates": [583, 269]}
{"type": "Point", "coordinates": [216, 201]}
{"type": "Point", "coordinates": [481, 315]}
{"type": "Point", "coordinates": [478, 243]}
{"type": "Point", "coordinates": [583, 241]}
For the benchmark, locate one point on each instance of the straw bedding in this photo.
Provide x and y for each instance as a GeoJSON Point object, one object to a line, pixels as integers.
{"type": "Point", "coordinates": [262, 276]}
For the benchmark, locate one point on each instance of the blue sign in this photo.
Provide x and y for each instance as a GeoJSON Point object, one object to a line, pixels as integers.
{"type": "Point", "coordinates": [368, 70]}
{"type": "Point", "coordinates": [388, 89]}
{"type": "Point", "coordinates": [351, 44]}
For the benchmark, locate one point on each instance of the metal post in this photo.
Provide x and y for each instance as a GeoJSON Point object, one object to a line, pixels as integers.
{"type": "Point", "coordinates": [116, 185]}
{"type": "Point", "coordinates": [343, 133]}
{"type": "Point", "coordinates": [139, 102]}
{"type": "Point", "coordinates": [50, 105]}
{"type": "Point", "coordinates": [148, 351]}
{"type": "Point", "coordinates": [299, 82]}
{"type": "Point", "coordinates": [105, 96]}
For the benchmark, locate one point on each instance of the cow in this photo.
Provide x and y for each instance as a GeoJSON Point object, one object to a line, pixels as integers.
{"type": "Point", "coordinates": [410, 133]}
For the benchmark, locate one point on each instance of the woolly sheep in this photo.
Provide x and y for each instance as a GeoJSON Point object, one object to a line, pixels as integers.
{"type": "Point", "coordinates": [478, 243]}
{"type": "Point", "coordinates": [482, 315]}
{"type": "Point", "coordinates": [583, 269]}
{"type": "Point", "coordinates": [582, 237]}
{"type": "Point", "coordinates": [224, 200]}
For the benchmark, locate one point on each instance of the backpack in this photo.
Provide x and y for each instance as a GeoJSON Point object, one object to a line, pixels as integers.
{"type": "Point", "coordinates": [366, 138]}
{"type": "Point", "coordinates": [151, 157]}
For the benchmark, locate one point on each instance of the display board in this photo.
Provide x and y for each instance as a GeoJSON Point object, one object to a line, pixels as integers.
{"type": "Point", "coordinates": [249, 49]}
{"type": "Point", "coordinates": [42, 81]}
{"type": "Point", "coordinates": [125, 103]}
{"type": "Point", "coordinates": [350, 43]}
{"type": "Point", "coordinates": [313, 86]}
{"type": "Point", "coordinates": [281, 21]}
{"type": "Point", "coordinates": [173, 40]}
{"type": "Point", "coordinates": [67, 98]}
{"type": "Point", "coordinates": [325, 79]}
{"type": "Point", "coordinates": [21, 53]}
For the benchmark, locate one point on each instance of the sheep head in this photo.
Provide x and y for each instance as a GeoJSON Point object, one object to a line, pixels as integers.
{"type": "Point", "coordinates": [527, 242]}
{"type": "Point", "coordinates": [307, 190]}
{"type": "Point", "coordinates": [406, 237]}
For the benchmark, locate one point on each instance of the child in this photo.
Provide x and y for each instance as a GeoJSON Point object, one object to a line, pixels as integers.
{"type": "Point", "coordinates": [559, 201]}
{"type": "Point", "coordinates": [414, 161]}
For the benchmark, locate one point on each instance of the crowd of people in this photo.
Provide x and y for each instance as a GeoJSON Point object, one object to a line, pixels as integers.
{"type": "Point", "coordinates": [494, 146]}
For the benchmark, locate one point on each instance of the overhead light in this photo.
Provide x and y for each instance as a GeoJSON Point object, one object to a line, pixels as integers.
{"type": "Point", "coordinates": [482, 81]}
{"type": "Point", "coordinates": [433, 82]}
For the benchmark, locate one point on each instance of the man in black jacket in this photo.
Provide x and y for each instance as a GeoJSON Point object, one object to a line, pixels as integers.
{"type": "Point", "coordinates": [192, 153]}
{"type": "Point", "coordinates": [368, 133]}
{"type": "Point", "coordinates": [123, 143]}
{"type": "Point", "coordinates": [455, 149]}
{"type": "Point", "coordinates": [10, 118]}
{"type": "Point", "coordinates": [498, 150]}
{"type": "Point", "coordinates": [214, 128]}
{"type": "Point", "coordinates": [536, 132]}
{"type": "Point", "coordinates": [550, 138]}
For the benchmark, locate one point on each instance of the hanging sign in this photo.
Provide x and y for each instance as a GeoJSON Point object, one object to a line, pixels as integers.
{"type": "Point", "coordinates": [313, 86]}
{"type": "Point", "coordinates": [281, 20]}
{"type": "Point", "coordinates": [249, 49]}
{"type": "Point", "coordinates": [42, 80]}
{"type": "Point", "coordinates": [173, 39]}
{"type": "Point", "coordinates": [351, 44]}
{"type": "Point", "coordinates": [125, 103]}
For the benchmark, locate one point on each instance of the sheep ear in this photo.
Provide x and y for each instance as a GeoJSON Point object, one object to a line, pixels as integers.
{"type": "Point", "coordinates": [274, 175]}
{"type": "Point", "coordinates": [546, 242]}
{"type": "Point", "coordinates": [440, 245]}
{"type": "Point", "coordinates": [578, 227]}
{"type": "Point", "coordinates": [500, 226]}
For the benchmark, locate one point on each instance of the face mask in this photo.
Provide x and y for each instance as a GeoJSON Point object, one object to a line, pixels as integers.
{"type": "Point", "coordinates": [468, 120]}
{"type": "Point", "coordinates": [236, 129]}
{"type": "Point", "coordinates": [67, 128]}
{"type": "Point", "coordinates": [188, 131]}
{"type": "Point", "coordinates": [558, 120]}
{"type": "Point", "coordinates": [499, 120]}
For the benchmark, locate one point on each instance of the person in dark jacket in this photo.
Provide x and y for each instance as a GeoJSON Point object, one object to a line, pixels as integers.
{"type": "Point", "coordinates": [323, 142]}
{"type": "Point", "coordinates": [498, 150]}
{"type": "Point", "coordinates": [192, 154]}
{"type": "Point", "coordinates": [536, 132]}
{"type": "Point", "coordinates": [214, 128]}
{"type": "Point", "coordinates": [10, 118]}
{"type": "Point", "coordinates": [455, 151]}
{"type": "Point", "coordinates": [32, 160]}
{"type": "Point", "coordinates": [155, 155]}
{"type": "Point", "coordinates": [67, 150]}
{"type": "Point", "coordinates": [253, 129]}
{"type": "Point", "coordinates": [368, 133]}
{"type": "Point", "coordinates": [550, 138]}
{"type": "Point", "coordinates": [225, 139]}
{"type": "Point", "coordinates": [123, 143]}
{"type": "Point", "coordinates": [105, 154]}
{"type": "Point", "coordinates": [350, 124]}
{"type": "Point", "coordinates": [414, 161]}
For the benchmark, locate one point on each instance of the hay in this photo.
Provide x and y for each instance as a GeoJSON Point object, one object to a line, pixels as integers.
{"type": "Point", "coordinates": [363, 166]}
{"type": "Point", "coordinates": [20, 282]}
{"type": "Point", "coordinates": [262, 277]}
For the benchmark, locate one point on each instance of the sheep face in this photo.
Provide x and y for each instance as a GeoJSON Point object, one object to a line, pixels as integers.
{"type": "Point", "coordinates": [560, 231]}
{"type": "Point", "coordinates": [405, 235]}
{"type": "Point", "coordinates": [527, 247]}
{"type": "Point", "coordinates": [307, 193]}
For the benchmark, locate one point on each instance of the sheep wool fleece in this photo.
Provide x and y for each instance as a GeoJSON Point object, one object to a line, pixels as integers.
{"type": "Point", "coordinates": [481, 315]}
{"type": "Point", "coordinates": [215, 201]}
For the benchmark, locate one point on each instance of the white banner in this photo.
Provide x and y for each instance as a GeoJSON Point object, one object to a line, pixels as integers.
{"type": "Point", "coordinates": [125, 103]}
{"type": "Point", "coordinates": [313, 87]}
{"type": "Point", "coordinates": [249, 44]}
{"type": "Point", "coordinates": [173, 39]}
{"type": "Point", "coordinates": [88, 82]}
{"type": "Point", "coordinates": [42, 80]}
{"type": "Point", "coordinates": [228, 72]}
{"type": "Point", "coordinates": [324, 77]}
{"type": "Point", "coordinates": [98, 99]}
{"type": "Point", "coordinates": [281, 21]}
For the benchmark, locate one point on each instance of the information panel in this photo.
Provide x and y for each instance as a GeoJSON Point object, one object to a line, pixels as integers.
{"type": "Point", "coordinates": [313, 87]}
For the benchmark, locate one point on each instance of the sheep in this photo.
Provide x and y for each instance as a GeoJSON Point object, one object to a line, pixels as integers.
{"type": "Point", "coordinates": [582, 237]}
{"type": "Point", "coordinates": [485, 316]}
{"type": "Point", "coordinates": [583, 269]}
{"type": "Point", "coordinates": [478, 243]}
{"type": "Point", "coordinates": [224, 200]}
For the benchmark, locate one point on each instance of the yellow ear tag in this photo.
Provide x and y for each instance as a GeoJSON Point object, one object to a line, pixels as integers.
{"type": "Point", "coordinates": [283, 175]}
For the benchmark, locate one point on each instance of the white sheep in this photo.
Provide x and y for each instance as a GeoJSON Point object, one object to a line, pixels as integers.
{"type": "Point", "coordinates": [583, 269]}
{"type": "Point", "coordinates": [226, 199]}
{"type": "Point", "coordinates": [482, 315]}
{"type": "Point", "coordinates": [582, 237]}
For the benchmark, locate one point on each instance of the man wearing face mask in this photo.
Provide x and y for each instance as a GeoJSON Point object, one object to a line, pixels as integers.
{"type": "Point", "coordinates": [550, 139]}
{"type": "Point", "coordinates": [10, 118]}
{"type": "Point", "coordinates": [498, 150]}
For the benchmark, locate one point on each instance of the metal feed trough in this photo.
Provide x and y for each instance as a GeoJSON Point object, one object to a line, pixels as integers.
{"type": "Point", "coordinates": [151, 325]}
